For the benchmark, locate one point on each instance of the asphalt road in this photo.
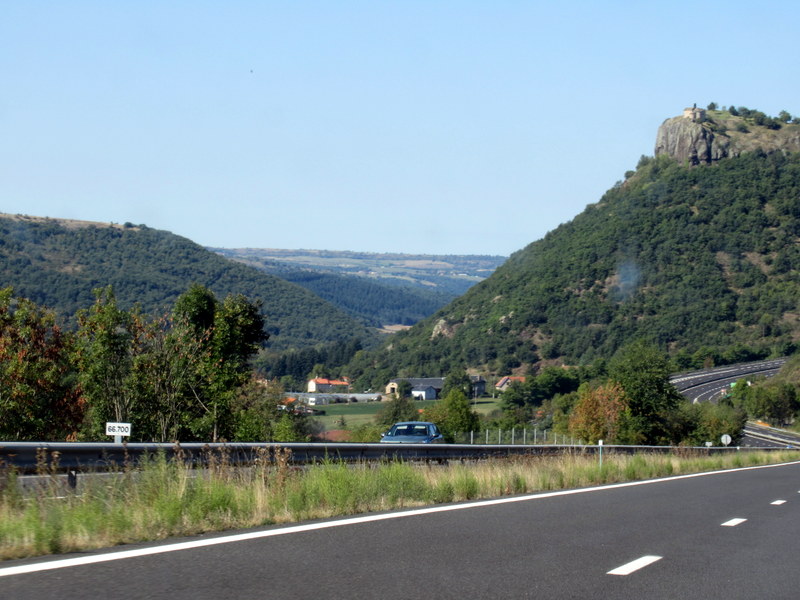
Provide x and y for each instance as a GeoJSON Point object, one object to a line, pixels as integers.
{"type": "Point", "coordinates": [565, 545]}
{"type": "Point", "coordinates": [707, 385]}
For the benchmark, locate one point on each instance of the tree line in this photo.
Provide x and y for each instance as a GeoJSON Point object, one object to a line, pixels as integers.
{"type": "Point", "coordinates": [188, 376]}
{"type": "Point", "coordinates": [627, 399]}
{"type": "Point", "coordinates": [183, 376]}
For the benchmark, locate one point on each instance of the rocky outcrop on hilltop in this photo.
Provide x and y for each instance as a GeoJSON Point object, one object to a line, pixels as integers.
{"type": "Point", "coordinates": [702, 137]}
{"type": "Point", "coordinates": [688, 141]}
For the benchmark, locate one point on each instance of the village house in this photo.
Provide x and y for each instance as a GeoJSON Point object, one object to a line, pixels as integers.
{"type": "Point", "coordinates": [420, 385]}
{"type": "Point", "coordinates": [506, 382]}
{"type": "Point", "coordinates": [424, 393]}
{"type": "Point", "coordinates": [322, 385]}
{"type": "Point", "coordinates": [417, 383]}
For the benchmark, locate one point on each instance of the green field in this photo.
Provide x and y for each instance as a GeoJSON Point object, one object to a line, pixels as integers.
{"type": "Point", "coordinates": [360, 413]}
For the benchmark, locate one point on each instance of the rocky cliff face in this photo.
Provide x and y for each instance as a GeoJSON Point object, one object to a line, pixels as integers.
{"type": "Point", "coordinates": [719, 136]}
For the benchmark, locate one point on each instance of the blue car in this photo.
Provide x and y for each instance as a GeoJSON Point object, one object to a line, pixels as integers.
{"type": "Point", "coordinates": [413, 432]}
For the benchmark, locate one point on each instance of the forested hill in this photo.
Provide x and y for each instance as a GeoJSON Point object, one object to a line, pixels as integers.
{"type": "Point", "coordinates": [374, 302]}
{"type": "Point", "coordinates": [57, 263]}
{"type": "Point", "coordinates": [699, 260]}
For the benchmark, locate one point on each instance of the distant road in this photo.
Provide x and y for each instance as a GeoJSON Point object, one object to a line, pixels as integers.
{"type": "Point", "coordinates": [719, 536]}
{"type": "Point", "coordinates": [711, 384]}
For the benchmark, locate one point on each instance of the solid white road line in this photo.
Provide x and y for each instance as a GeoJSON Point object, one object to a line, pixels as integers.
{"type": "Point", "coordinates": [634, 565]}
{"type": "Point", "coordinates": [253, 535]}
{"type": "Point", "coordinates": [733, 522]}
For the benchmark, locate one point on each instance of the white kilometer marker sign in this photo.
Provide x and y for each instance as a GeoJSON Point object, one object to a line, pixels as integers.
{"type": "Point", "coordinates": [635, 565]}
{"type": "Point", "coordinates": [733, 522]}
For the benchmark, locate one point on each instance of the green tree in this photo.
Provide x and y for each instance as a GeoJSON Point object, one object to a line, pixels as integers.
{"type": "Point", "coordinates": [517, 395]}
{"type": "Point", "coordinates": [643, 373]}
{"type": "Point", "coordinates": [287, 430]}
{"type": "Point", "coordinates": [453, 415]}
{"type": "Point", "coordinates": [400, 408]}
{"type": "Point", "coordinates": [197, 307]}
{"type": "Point", "coordinates": [38, 396]}
{"type": "Point", "coordinates": [774, 401]}
{"type": "Point", "coordinates": [404, 389]}
{"type": "Point", "coordinates": [457, 380]}
{"type": "Point", "coordinates": [708, 422]}
{"type": "Point", "coordinates": [255, 407]}
{"type": "Point", "coordinates": [226, 346]}
{"type": "Point", "coordinates": [107, 341]}
{"type": "Point", "coordinates": [163, 372]}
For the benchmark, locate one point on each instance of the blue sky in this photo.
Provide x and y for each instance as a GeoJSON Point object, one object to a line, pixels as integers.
{"type": "Point", "coordinates": [383, 126]}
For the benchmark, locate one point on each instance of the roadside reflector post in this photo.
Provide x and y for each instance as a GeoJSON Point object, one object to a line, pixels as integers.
{"type": "Point", "coordinates": [600, 451]}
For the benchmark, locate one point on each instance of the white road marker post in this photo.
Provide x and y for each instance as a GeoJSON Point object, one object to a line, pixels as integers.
{"type": "Point", "coordinates": [600, 447]}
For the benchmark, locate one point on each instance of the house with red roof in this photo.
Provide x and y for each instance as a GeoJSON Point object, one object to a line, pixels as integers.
{"type": "Point", "coordinates": [321, 385]}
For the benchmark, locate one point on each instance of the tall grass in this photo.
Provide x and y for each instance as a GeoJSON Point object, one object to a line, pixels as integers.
{"type": "Point", "coordinates": [161, 499]}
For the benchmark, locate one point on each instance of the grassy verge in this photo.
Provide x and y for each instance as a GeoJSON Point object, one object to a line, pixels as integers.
{"type": "Point", "coordinates": [164, 499]}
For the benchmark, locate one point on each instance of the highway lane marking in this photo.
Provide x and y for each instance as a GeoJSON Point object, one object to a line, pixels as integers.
{"type": "Point", "coordinates": [634, 565]}
{"type": "Point", "coordinates": [253, 535]}
{"type": "Point", "coordinates": [778, 502]}
{"type": "Point", "coordinates": [733, 522]}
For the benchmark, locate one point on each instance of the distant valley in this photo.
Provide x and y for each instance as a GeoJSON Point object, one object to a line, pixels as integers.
{"type": "Point", "coordinates": [453, 274]}
{"type": "Point", "coordinates": [379, 289]}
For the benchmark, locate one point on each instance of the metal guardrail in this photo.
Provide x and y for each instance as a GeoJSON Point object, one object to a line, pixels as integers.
{"type": "Point", "coordinates": [30, 457]}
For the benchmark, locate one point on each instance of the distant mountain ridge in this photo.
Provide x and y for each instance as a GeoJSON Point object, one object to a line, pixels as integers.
{"type": "Point", "coordinates": [58, 262]}
{"type": "Point", "coordinates": [453, 274]}
{"type": "Point", "coordinates": [380, 289]}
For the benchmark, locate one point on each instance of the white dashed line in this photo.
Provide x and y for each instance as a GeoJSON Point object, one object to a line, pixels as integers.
{"type": "Point", "coordinates": [635, 565]}
{"type": "Point", "coordinates": [733, 522]}
{"type": "Point", "coordinates": [778, 502]}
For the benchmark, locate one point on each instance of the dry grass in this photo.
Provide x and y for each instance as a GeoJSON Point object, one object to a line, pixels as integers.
{"type": "Point", "coordinates": [162, 499]}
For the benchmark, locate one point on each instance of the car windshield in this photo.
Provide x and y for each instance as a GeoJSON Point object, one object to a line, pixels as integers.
{"type": "Point", "coordinates": [417, 430]}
